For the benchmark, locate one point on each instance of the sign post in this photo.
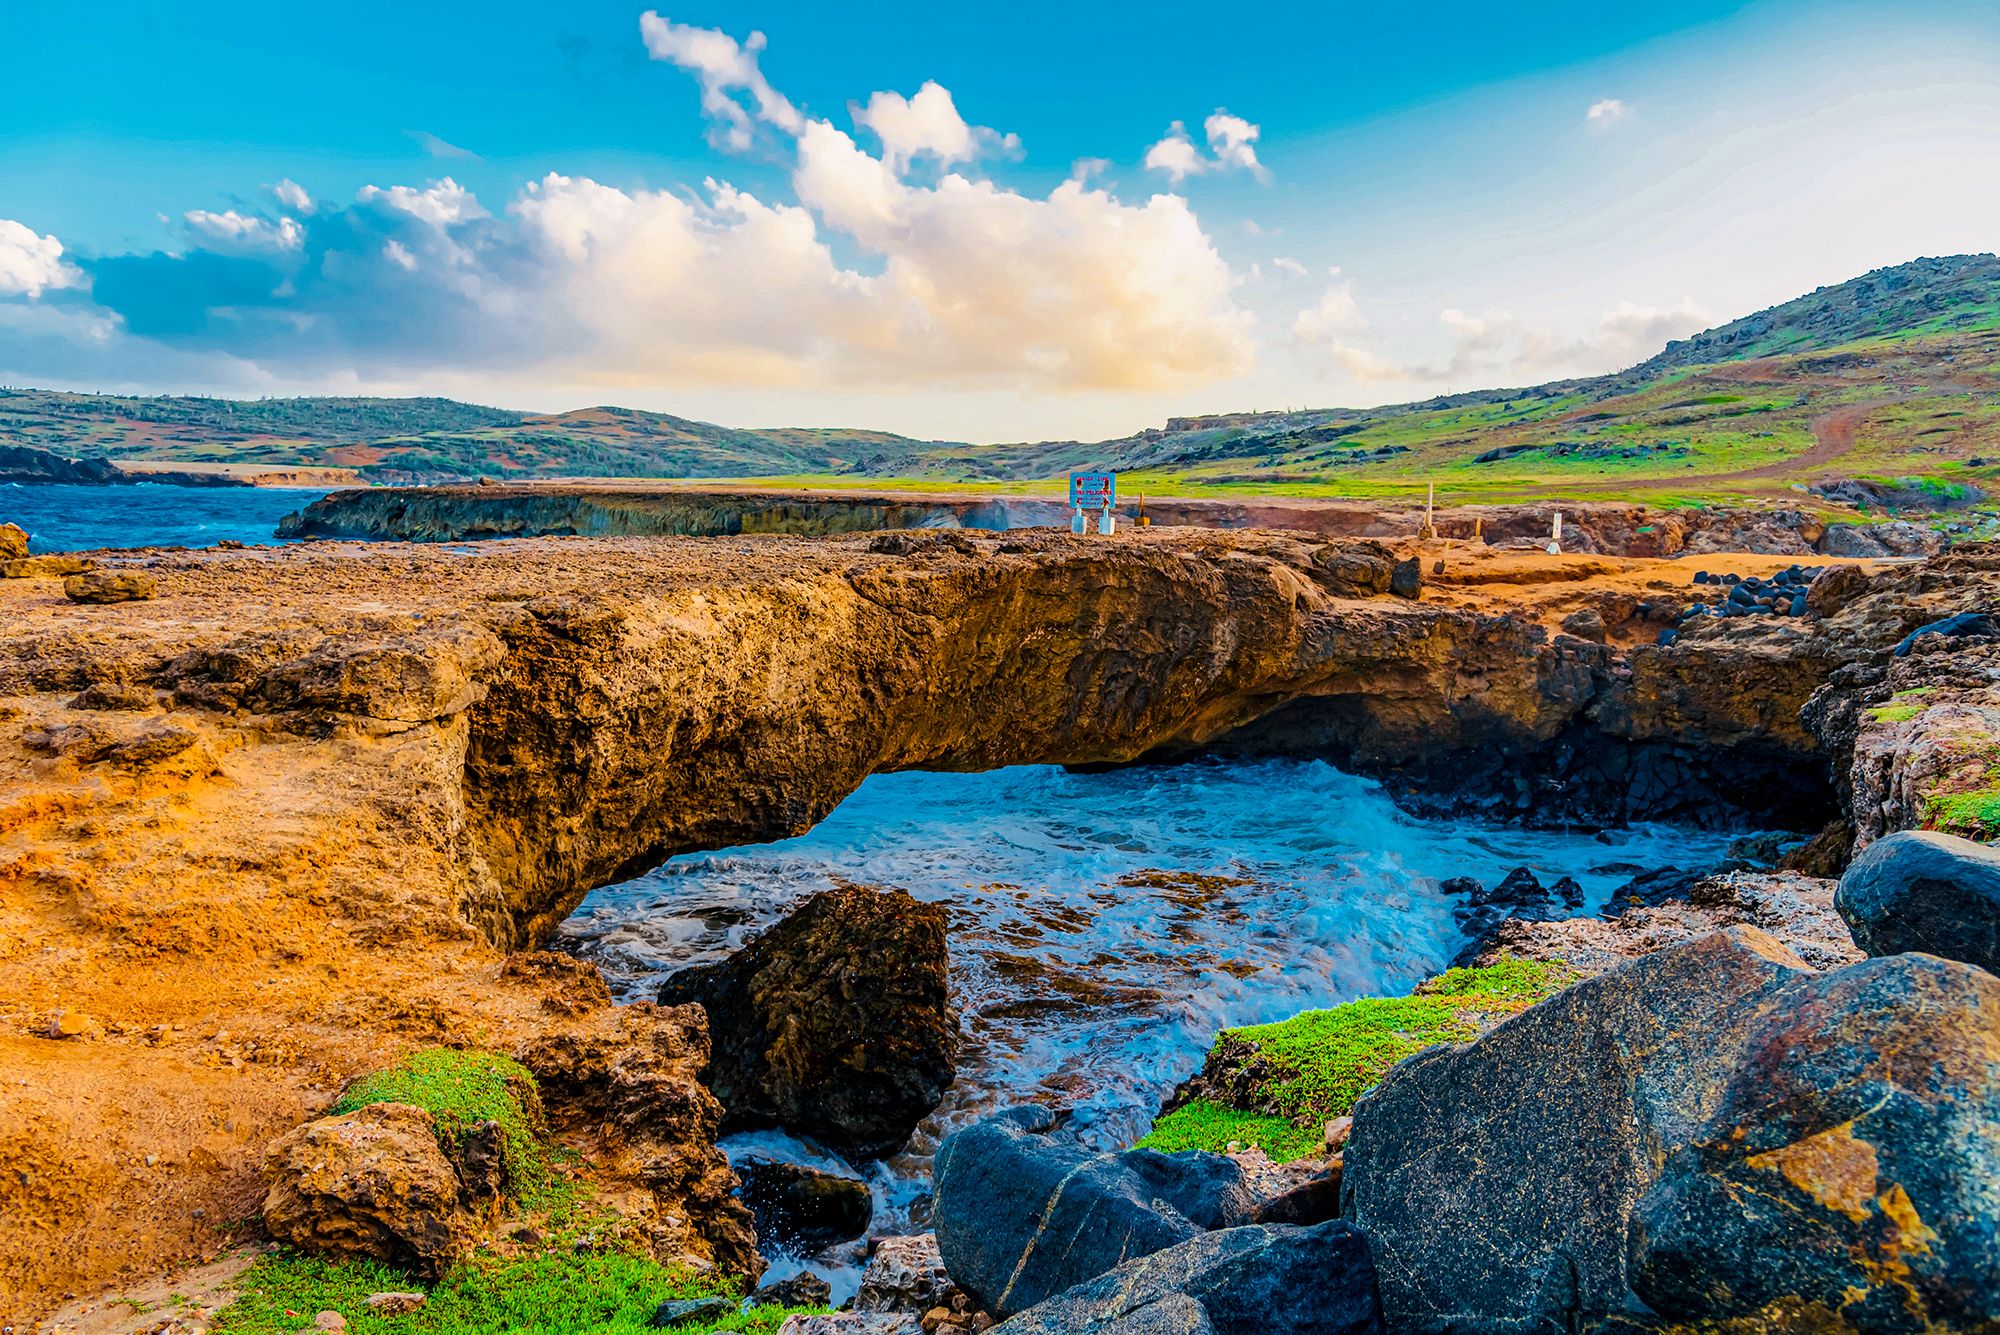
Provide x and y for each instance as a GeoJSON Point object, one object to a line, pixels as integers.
{"type": "Point", "coordinates": [1092, 492]}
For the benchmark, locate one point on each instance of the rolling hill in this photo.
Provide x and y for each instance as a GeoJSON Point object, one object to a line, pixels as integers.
{"type": "Point", "coordinates": [1884, 387]}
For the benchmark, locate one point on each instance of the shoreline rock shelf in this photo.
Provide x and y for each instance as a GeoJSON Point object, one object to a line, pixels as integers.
{"type": "Point", "coordinates": [277, 825]}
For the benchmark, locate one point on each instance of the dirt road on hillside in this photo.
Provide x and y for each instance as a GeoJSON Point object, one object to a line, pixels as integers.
{"type": "Point", "coordinates": [1833, 437]}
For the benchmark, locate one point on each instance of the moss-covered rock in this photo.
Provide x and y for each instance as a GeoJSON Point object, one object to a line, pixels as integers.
{"type": "Point", "coordinates": [487, 1108]}
{"type": "Point", "coordinates": [1276, 1086]}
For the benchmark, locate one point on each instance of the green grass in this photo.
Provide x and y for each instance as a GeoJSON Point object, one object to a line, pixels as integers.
{"type": "Point", "coordinates": [1973, 813]}
{"type": "Point", "coordinates": [1319, 1063]}
{"type": "Point", "coordinates": [1202, 1125]}
{"type": "Point", "coordinates": [614, 1293]}
{"type": "Point", "coordinates": [461, 1089]}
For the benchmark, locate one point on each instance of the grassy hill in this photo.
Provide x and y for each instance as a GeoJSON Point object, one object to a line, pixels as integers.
{"type": "Point", "coordinates": [1892, 378]}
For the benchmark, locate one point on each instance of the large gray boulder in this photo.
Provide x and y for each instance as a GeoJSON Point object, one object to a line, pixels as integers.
{"type": "Point", "coordinates": [1023, 1212]}
{"type": "Point", "coordinates": [1919, 890]}
{"type": "Point", "coordinates": [1258, 1280]}
{"type": "Point", "coordinates": [1714, 1132]}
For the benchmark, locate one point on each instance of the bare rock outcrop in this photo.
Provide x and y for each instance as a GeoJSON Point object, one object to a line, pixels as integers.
{"type": "Point", "coordinates": [623, 1084]}
{"type": "Point", "coordinates": [371, 1183]}
{"type": "Point", "coordinates": [836, 1023]}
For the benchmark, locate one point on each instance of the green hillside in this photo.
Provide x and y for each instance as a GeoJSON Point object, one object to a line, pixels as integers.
{"type": "Point", "coordinates": [1884, 385]}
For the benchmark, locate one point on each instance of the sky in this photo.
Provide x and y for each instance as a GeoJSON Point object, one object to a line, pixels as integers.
{"type": "Point", "coordinates": [1032, 221]}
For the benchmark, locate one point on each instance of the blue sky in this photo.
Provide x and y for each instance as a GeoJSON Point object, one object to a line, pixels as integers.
{"type": "Point", "coordinates": [1365, 203]}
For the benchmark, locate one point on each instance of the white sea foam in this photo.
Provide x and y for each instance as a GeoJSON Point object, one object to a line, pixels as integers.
{"type": "Point", "coordinates": [1082, 979]}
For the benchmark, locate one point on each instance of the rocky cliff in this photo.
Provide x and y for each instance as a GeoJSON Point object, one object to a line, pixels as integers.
{"type": "Point", "coordinates": [274, 824]}
{"type": "Point", "coordinates": [617, 509]}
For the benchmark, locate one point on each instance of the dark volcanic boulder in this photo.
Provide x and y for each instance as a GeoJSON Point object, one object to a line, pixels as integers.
{"type": "Point", "coordinates": [1259, 1280]}
{"type": "Point", "coordinates": [1919, 890]}
{"type": "Point", "coordinates": [836, 1023]}
{"type": "Point", "coordinates": [802, 1208]}
{"type": "Point", "coordinates": [1022, 1214]}
{"type": "Point", "coordinates": [1713, 1128]}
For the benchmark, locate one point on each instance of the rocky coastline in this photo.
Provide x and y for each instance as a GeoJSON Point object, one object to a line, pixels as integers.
{"type": "Point", "coordinates": [467, 512]}
{"type": "Point", "coordinates": [285, 821]}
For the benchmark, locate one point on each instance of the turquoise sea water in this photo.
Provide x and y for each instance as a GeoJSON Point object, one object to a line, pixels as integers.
{"type": "Point", "coordinates": [71, 519]}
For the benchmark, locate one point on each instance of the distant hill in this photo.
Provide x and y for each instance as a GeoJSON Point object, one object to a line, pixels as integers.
{"type": "Point", "coordinates": [1956, 294]}
{"type": "Point", "coordinates": [1892, 377]}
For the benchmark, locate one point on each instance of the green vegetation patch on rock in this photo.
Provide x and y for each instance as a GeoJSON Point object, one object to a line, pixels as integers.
{"type": "Point", "coordinates": [462, 1091]}
{"type": "Point", "coordinates": [565, 1293]}
{"type": "Point", "coordinates": [1276, 1085]}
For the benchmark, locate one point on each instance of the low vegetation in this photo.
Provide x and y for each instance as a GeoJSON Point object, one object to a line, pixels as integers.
{"type": "Point", "coordinates": [1313, 1067]}
{"type": "Point", "coordinates": [559, 1265]}
{"type": "Point", "coordinates": [461, 1090]}
{"type": "Point", "coordinates": [552, 1293]}
{"type": "Point", "coordinates": [1912, 353]}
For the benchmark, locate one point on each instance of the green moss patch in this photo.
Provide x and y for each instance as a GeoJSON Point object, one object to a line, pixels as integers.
{"type": "Point", "coordinates": [461, 1090]}
{"type": "Point", "coordinates": [552, 1294]}
{"type": "Point", "coordinates": [1203, 1125]}
{"type": "Point", "coordinates": [1292, 1077]}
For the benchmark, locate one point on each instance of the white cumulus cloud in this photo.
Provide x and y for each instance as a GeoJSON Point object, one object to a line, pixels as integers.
{"type": "Point", "coordinates": [1495, 343]}
{"type": "Point", "coordinates": [30, 264]}
{"type": "Point", "coordinates": [927, 125]}
{"type": "Point", "coordinates": [231, 230]}
{"type": "Point", "coordinates": [727, 72]}
{"type": "Point", "coordinates": [865, 277]}
{"type": "Point", "coordinates": [1231, 145]}
{"type": "Point", "coordinates": [1606, 112]}
{"type": "Point", "coordinates": [293, 196]}
{"type": "Point", "coordinates": [440, 204]}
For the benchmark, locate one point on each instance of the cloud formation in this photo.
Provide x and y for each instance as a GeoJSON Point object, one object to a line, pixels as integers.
{"type": "Point", "coordinates": [231, 230]}
{"type": "Point", "coordinates": [1606, 112]}
{"type": "Point", "coordinates": [728, 74]}
{"type": "Point", "coordinates": [927, 125]}
{"type": "Point", "coordinates": [29, 264]}
{"type": "Point", "coordinates": [1494, 343]}
{"type": "Point", "coordinates": [870, 275]}
{"type": "Point", "coordinates": [437, 147]}
{"type": "Point", "coordinates": [1231, 146]}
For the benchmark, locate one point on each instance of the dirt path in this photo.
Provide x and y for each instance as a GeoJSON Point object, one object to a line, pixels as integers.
{"type": "Point", "coordinates": [1833, 437]}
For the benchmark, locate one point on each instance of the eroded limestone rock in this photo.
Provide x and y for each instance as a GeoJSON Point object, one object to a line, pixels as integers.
{"type": "Point", "coordinates": [110, 586]}
{"type": "Point", "coordinates": [370, 1183]}
{"type": "Point", "coordinates": [836, 1023]}
{"type": "Point", "coordinates": [624, 1082]}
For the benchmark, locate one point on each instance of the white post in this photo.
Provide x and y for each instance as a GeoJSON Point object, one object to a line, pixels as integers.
{"type": "Point", "coordinates": [1076, 522]}
{"type": "Point", "coordinates": [1556, 535]}
{"type": "Point", "coordinates": [1105, 522]}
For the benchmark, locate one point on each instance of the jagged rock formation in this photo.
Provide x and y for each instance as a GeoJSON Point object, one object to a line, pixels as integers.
{"type": "Point", "coordinates": [270, 828]}
{"type": "Point", "coordinates": [835, 1024]}
{"type": "Point", "coordinates": [371, 1183]}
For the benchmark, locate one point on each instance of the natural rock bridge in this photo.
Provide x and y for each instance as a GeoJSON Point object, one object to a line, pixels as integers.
{"type": "Point", "coordinates": [266, 829]}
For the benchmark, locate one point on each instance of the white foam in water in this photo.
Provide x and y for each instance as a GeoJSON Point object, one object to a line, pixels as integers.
{"type": "Point", "coordinates": [1079, 979]}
